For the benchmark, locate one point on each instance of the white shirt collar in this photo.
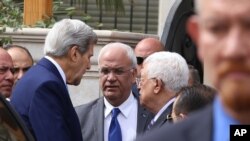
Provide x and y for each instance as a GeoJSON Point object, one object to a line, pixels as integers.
{"type": "Point", "coordinates": [125, 107]}
{"type": "Point", "coordinates": [163, 109]}
{"type": "Point", "coordinates": [58, 68]}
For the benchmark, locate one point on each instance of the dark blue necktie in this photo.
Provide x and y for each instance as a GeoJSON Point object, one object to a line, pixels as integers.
{"type": "Point", "coordinates": [114, 128]}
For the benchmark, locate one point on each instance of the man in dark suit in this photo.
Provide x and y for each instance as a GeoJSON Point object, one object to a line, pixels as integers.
{"type": "Point", "coordinates": [222, 37]}
{"type": "Point", "coordinates": [41, 97]}
{"type": "Point", "coordinates": [117, 69]}
{"type": "Point", "coordinates": [162, 76]}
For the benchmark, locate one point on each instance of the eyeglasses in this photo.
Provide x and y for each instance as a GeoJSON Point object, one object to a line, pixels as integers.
{"type": "Point", "coordinates": [139, 60]}
{"type": "Point", "coordinates": [116, 71]}
{"type": "Point", "coordinates": [140, 80]}
{"type": "Point", "coordinates": [4, 69]}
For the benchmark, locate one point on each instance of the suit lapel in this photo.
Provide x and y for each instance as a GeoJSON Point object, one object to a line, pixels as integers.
{"type": "Point", "coordinates": [163, 117]}
{"type": "Point", "coordinates": [143, 117]}
{"type": "Point", "coordinates": [50, 67]}
{"type": "Point", "coordinates": [98, 110]}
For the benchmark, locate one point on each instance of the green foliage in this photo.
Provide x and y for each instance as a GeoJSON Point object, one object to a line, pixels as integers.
{"type": "Point", "coordinates": [48, 21]}
{"type": "Point", "coordinates": [10, 16]}
{"type": "Point", "coordinates": [111, 5]}
{"type": "Point", "coordinates": [58, 9]}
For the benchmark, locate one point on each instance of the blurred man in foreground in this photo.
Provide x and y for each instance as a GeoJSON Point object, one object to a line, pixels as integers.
{"type": "Point", "coordinates": [222, 37]}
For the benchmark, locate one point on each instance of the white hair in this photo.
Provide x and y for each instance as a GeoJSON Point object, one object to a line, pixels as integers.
{"type": "Point", "coordinates": [67, 33]}
{"type": "Point", "coordinates": [170, 67]}
{"type": "Point", "coordinates": [127, 48]}
{"type": "Point", "coordinates": [197, 6]}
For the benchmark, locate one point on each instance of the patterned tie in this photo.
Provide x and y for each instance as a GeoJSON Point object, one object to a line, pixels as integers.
{"type": "Point", "coordinates": [114, 128]}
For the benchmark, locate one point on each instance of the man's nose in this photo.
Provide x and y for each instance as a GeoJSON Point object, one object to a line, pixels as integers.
{"type": "Point", "coordinates": [111, 76]}
{"type": "Point", "coordinates": [236, 44]}
{"type": "Point", "coordinates": [20, 74]}
{"type": "Point", "coordinates": [9, 75]}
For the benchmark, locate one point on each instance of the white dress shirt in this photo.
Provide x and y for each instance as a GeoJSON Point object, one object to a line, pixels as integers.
{"type": "Point", "coordinates": [127, 118]}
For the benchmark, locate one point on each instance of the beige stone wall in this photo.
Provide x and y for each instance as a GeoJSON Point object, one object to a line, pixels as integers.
{"type": "Point", "coordinates": [33, 39]}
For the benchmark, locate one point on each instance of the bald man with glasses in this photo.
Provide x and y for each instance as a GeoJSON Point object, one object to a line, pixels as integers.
{"type": "Point", "coordinates": [117, 71]}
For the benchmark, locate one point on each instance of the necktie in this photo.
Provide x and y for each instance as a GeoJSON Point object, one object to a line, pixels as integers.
{"type": "Point", "coordinates": [114, 128]}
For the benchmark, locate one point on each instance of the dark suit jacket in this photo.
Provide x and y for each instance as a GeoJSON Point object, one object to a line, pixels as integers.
{"type": "Point", "coordinates": [91, 118]}
{"type": "Point", "coordinates": [135, 90]}
{"type": "Point", "coordinates": [163, 117]}
{"type": "Point", "coordinates": [42, 100]}
{"type": "Point", "coordinates": [197, 127]}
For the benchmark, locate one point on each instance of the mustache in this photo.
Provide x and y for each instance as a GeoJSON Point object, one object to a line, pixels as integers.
{"type": "Point", "coordinates": [228, 67]}
{"type": "Point", "coordinates": [110, 85]}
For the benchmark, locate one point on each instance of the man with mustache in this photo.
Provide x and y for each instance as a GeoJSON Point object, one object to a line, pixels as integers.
{"type": "Point", "coordinates": [222, 37]}
{"type": "Point", "coordinates": [117, 72]}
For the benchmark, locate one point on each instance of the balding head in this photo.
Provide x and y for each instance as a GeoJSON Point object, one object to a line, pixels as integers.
{"type": "Point", "coordinates": [21, 58]}
{"type": "Point", "coordinates": [144, 48]}
{"type": "Point", "coordinates": [6, 73]}
{"type": "Point", "coordinates": [148, 46]}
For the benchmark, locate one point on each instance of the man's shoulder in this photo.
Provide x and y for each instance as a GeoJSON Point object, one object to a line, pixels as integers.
{"type": "Point", "coordinates": [88, 106]}
{"type": "Point", "coordinates": [196, 126]}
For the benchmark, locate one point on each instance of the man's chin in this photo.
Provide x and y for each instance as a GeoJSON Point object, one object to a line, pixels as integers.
{"type": "Point", "coordinates": [235, 94]}
{"type": "Point", "coordinates": [6, 94]}
{"type": "Point", "coordinates": [110, 93]}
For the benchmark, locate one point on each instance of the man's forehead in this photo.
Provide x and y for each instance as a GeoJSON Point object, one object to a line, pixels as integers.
{"type": "Point", "coordinates": [231, 6]}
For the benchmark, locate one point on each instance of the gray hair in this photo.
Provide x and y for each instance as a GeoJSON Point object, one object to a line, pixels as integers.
{"type": "Point", "coordinates": [67, 33]}
{"type": "Point", "coordinates": [197, 6]}
{"type": "Point", "coordinates": [127, 48]}
{"type": "Point", "coordinates": [170, 67]}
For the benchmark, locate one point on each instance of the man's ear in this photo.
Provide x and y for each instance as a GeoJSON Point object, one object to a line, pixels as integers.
{"type": "Point", "coordinates": [73, 53]}
{"type": "Point", "coordinates": [158, 86]}
{"type": "Point", "coordinates": [192, 28]}
{"type": "Point", "coordinates": [134, 74]}
{"type": "Point", "coordinates": [182, 115]}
